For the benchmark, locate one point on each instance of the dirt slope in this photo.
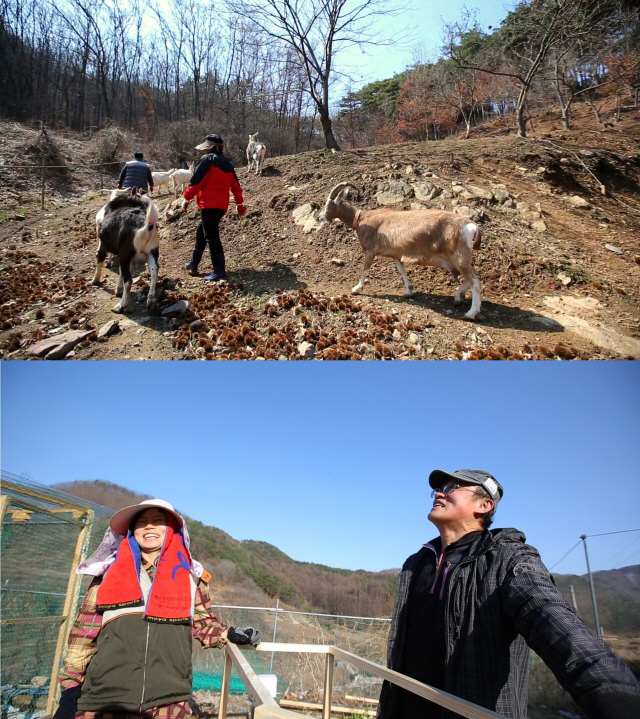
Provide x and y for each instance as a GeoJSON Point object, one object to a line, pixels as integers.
{"type": "Point", "coordinates": [551, 288]}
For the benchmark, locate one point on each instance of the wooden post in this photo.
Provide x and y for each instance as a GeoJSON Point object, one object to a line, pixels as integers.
{"type": "Point", "coordinates": [70, 600]}
{"type": "Point", "coordinates": [226, 683]}
{"type": "Point", "coordinates": [4, 505]}
{"type": "Point", "coordinates": [44, 169]}
{"type": "Point", "coordinates": [328, 687]}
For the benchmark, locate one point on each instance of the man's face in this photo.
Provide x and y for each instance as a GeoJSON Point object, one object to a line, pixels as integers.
{"type": "Point", "coordinates": [460, 505]}
{"type": "Point", "coordinates": [149, 529]}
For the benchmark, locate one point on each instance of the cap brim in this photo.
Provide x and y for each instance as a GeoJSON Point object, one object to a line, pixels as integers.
{"type": "Point", "coordinates": [122, 519]}
{"type": "Point", "coordinates": [438, 477]}
{"type": "Point", "coordinates": [203, 146]}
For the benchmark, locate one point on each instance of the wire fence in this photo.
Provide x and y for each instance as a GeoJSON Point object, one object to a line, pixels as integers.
{"type": "Point", "coordinates": [44, 535]}
{"type": "Point", "coordinates": [44, 168]}
{"type": "Point", "coordinates": [301, 675]}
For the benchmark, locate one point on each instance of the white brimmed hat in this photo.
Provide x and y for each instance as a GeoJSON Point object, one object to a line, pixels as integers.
{"type": "Point", "coordinates": [122, 519]}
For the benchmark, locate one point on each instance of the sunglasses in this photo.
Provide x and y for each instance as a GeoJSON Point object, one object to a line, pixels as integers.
{"type": "Point", "coordinates": [451, 487]}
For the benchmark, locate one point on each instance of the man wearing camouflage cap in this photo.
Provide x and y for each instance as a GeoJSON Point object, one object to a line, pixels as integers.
{"type": "Point", "coordinates": [471, 600]}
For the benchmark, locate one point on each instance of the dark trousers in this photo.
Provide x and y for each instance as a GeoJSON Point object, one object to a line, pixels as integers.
{"type": "Point", "coordinates": [208, 233]}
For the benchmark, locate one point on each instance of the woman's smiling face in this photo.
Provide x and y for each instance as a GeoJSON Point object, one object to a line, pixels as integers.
{"type": "Point", "coordinates": [150, 529]}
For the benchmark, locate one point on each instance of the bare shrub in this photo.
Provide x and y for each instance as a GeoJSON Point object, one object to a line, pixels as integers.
{"type": "Point", "coordinates": [109, 143]}
{"type": "Point", "coordinates": [47, 149]}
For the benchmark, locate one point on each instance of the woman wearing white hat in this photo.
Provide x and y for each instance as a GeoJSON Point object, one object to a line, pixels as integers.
{"type": "Point", "coordinates": [130, 646]}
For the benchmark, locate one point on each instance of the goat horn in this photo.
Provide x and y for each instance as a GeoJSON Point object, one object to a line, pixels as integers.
{"type": "Point", "coordinates": [336, 189]}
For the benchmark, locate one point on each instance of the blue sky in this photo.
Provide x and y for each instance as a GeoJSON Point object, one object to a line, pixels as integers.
{"type": "Point", "coordinates": [329, 462]}
{"type": "Point", "coordinates": [425, 21]}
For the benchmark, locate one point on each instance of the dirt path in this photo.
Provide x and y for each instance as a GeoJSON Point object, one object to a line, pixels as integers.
{"type": "Point", "coordinates": [551, 287]}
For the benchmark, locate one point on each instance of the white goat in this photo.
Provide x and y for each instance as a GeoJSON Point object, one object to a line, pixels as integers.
{"type": "Point", "coordinates": [256, 153]}
{"type": "Point", "coordinates": [162, 179]}
{"type": "Point", "coordinates": [432, 237]}
{"type": "Point", "coordinates": [182, 177]}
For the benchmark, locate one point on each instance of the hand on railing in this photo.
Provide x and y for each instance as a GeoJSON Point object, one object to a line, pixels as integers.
{"type": "Point", "coordinates": [244, 635]}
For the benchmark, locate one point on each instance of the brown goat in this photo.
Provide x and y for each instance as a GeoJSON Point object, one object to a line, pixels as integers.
{"type": "Point", "coordinates": [432, 237]}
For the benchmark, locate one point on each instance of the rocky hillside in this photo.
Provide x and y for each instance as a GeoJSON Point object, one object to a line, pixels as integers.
{"type": "Point", "coordinates": [559, 263]}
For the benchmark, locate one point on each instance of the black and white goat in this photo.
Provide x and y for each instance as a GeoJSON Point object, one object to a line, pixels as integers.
{"type": "Point", "coordinates": [256, 153]}
{"type": "Point", "coordinates": [127, 226]}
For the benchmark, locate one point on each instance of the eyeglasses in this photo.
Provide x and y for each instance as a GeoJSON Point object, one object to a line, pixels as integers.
{"type": "Point", "coordinates": [451, 487]}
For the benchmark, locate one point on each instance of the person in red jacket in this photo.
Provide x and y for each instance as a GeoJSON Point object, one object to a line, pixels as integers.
{"type": "Point", "coordinates": [211, 183]}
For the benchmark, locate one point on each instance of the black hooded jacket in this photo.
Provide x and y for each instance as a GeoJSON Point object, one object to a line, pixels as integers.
{"type": "Point", "coordinates": [498, 598]}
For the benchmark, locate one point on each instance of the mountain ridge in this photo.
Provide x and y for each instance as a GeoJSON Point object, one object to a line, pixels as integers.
{"type": "Point", "coordinates": [250, 571]}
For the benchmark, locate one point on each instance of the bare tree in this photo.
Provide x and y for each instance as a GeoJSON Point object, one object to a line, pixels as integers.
{"type": "Point", "coordinates": [317, 30]}
{"type": "Point", "coordinates": [521, 46]}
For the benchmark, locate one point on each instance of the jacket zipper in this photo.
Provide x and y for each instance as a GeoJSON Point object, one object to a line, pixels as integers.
{"type": "Point", "coordinates": [144, 671]}
{"type": "Point", "coordinates": [438, 566]}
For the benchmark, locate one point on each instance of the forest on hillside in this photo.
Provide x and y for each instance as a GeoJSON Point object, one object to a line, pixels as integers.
{"type": "Point", "coordinates": [174, 70]}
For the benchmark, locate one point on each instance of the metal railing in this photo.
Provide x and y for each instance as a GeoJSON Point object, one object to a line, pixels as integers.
{"type": "Point", "coordinates": [268, 708]}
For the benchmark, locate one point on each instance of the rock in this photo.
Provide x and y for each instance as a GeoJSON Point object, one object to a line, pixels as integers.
{"type": "Point", "coordinates": [195, 325]}
{"type": "Point", "coordinates": [446, 195]}
{"type": "Point", "coordinates": [111, 328]}
{"type": "Point", "coordinates": [410, 170]}
{"type": "Point", "coordinates": [587, 153]}
{"type": "Point", "coordinates": [306, 217]}
{"type": "Point", "coordinates": [466, 195]}
{"type": "Point", "coordinates": [565, 279]}
{"type": "Point", "coordinates": [306, 350]}
{"type": "Point", "coordinates": [580, 303]}
{"type": "Point", "coordinates": [481, 193]}
{"type": "Point", "coordinates": [613, 248]}
{"type": "Point", "coordinates": [56, 331]}
{"type": "Point", "coordinates": [531, 215]}
{"type": "Point", "coordinates": [390, 192]}
{"type": "Point", "coordinates": [457, 189]}
{"type": "Point", "coordinates": [337, 261]}
{"type": "Point", "coordinates": [295, 255]}
{"type": "Point", "coordinates": [173, 211]}
{"type": "Point", "coordinates": [54, 345]}
{"type": "Point", "coordinates": [176, 308]}
{"type": "Point", "coordinates": [425, 191]}
{"type": "Point", "coordinates": [508, 203]}
{"type": "Point", "coordinates": [500, 192]}
{"type": "Point", "coordinates": [418, 206]}
{"type": "Point", "coordinates": [466, 211]}
{"type": "Point", "coordinates": [19, 217]}
{"type": "Point", "coordinates": [579, 202]}
{"type": "Point", "coordinates": [413, 339]}
{"type": "Point", "coordinates": [396, 334]}
{"type": "Point", "coordinates": [636, 259]}
{"type": "Point", "coordinates": [539, 225]}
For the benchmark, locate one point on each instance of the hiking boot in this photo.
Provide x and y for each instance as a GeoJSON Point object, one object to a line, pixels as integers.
{"type": "Point", "coordinates": [215, 276]}
{"type": "Point", "coordinates": [192, 269]}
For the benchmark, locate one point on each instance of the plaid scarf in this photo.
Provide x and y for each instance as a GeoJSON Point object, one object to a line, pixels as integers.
{"type": "Point", "coordinates": [169, 600]}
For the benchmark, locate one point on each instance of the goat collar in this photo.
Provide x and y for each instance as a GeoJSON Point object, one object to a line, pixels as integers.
{"type": "Point", "coordinates": [356, 219]}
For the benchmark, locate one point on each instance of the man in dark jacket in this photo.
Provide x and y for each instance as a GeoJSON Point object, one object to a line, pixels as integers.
{"type": "Point", "coordinates": [468, 604]}
{"type": "Point", "coordinates": [136, 173]}
{"type": "Point", "coordinates": [211, 183]}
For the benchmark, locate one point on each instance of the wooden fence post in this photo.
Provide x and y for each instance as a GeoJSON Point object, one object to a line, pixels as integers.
{"type": "Point", "coordinates": [226, 683]}
{"type": "Point", "coordinates": [44, 169]}
{"type": "Point", "coordinates": [70, 600]}
{"type": "Point", "coordinates": [328, 687]}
